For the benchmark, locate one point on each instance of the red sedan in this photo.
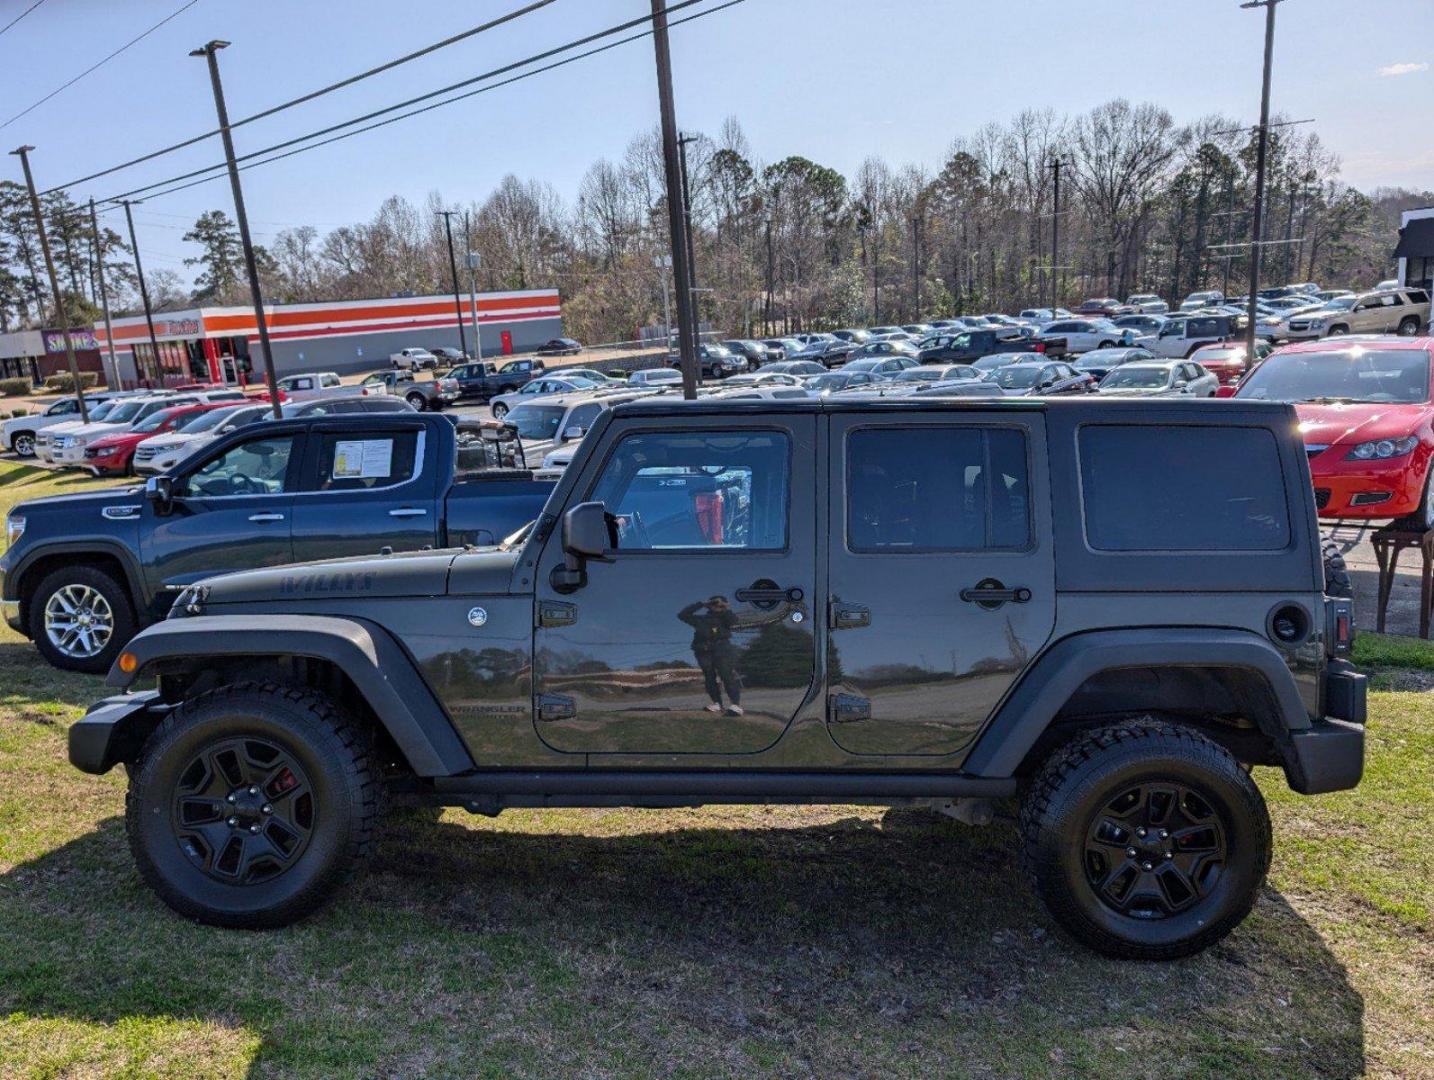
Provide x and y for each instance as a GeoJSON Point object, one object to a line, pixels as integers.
{"type": "Point", "coordinates": [112, 455]}
{"type": "Point", "coordinates": [1367, 418]}
{"type": "Point", "coordinates": [1226, 360]}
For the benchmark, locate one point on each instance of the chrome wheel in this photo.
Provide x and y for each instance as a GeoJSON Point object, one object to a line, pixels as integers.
{"type": "Point", "coordinates": [500, 410]}
{"type": "Point", "coordinates": [24, 444]}
{"type": "Point", "coordinates": [79, 621]}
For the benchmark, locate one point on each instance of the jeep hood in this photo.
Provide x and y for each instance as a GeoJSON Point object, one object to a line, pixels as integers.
{"type": "Point", "coordinates": [1325, 425]}
{"type": "Point", "coordinates": [413, 573]}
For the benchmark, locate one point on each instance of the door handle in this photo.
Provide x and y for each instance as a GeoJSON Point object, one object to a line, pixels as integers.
{"type": "Point", "coordinates": [408, 511]}
{"type": "Point", "coordinates": [266, 517]}
{"type": "Point", "coordinates": [768, 594]}
{"type": "Point", "coordinates": [849, 616]}
{"type": "Point", "coordinates": [991, 594]}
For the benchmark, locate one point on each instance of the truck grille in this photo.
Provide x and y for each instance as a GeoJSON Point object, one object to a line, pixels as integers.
{"type": "Point", "coordinates": [144, 453]}
{"type": "Point", "coordinates": [1321, 497]}
{"type": "Point", "coordinates": [1302, 324]}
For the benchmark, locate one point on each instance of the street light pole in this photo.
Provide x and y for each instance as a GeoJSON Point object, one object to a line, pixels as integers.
{"type": "Point", "coordinates": [472, 260]}
{"type": "Point", "coordinates": [1056, 167]}
{"type": "Point", "coordinates": [447, 216]}
{"type": "Point", "coordinates": [1257, 226]}
{"type": "Point", "coordinates": [673, 175]}
{"type": "Point", "coordinates": [104, 295]}
{"type": "Point", "coordinates": [211, 53]}
{"type": "Point", "coordinates": [144, 298]}
{"type": "Point", "coordinates": [60, 313]}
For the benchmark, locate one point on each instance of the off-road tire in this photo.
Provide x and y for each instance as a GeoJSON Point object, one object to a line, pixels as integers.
{"type": "Point", "coordinates": [115, 595]}
{"type": "Point", "coordinates": [1074, 787]}
{"type": "Point", "coordinates": [333, 752]}
{"type": "Point", "coordinates": [1336, 573]}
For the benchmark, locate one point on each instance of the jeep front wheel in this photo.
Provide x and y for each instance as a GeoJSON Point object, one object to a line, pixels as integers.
{"type": "Point", "coordinates": [250, 805]}
{"type": "Point", "coordinates": [80, 618]}
{"type": "Point", "coordinates": [1145, 840]}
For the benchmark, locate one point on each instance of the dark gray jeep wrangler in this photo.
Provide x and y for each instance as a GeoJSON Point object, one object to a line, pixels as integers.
{"type": "Point", "coordinates": [1111, 610]}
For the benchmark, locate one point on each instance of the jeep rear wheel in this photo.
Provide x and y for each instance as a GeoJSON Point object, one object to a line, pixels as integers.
{"type": "Point", "coordinates": [80, 618]}
{"type": "Point", "coordinates": [250, 805]}
{"type": "Point", "coordinates": [1145, 840]}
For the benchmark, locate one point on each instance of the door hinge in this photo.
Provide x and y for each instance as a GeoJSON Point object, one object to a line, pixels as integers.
{"type": "Point", "coordinates": [556, 613]}
{"type": "Point", "coordinates": [556, 707]}
{"type": "Point", "coordinates": [843, 616]}
{"type": "Point", "coordinates": [845, 708]}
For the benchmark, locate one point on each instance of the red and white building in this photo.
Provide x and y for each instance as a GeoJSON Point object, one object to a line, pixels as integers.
{"type": "Point", "coordinates": [218, 344]}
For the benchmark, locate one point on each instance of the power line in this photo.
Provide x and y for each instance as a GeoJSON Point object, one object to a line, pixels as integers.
{"type": "Point", "coordinates": [133, 41]}
{"type": "Point", "coordinates": [387, 66]}
{"type": "Point", "coordinates": [20, 16]}
{"type": "Point", "coordinates": [248, 158]}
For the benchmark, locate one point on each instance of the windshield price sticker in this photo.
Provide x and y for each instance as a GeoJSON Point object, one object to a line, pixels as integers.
{"type": "Point", "coordinates": [363, 458]}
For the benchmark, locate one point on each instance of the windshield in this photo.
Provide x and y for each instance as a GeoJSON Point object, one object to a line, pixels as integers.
{"type": "Point", "coordinates": [100, 412]}
{"type": "Point", "coordinates": [152, 422]}
{"type": "Point", "coordinates": [1344, 375]}
{"type": "Point", "coordinates": [1100, 358]}
{"type": "Point", "coordinates": [919, 375]}
{"type": "Point", "coordinates": [1135, 378]}
{"type": "Point", "coordinates": [1012, 377]}
{"type": "Point", "coordinates": [1343, 303]}
{"type": "Point", "coordinates": [537, 423]}
{"type": "Point", "coordinates": [832, 381]}
{"type": "Point", "coordinates": [125, 412]}
{"type": "Point", "coordinates": [990, 363]}
{"type": "Point", "coordinates": [207, 421]}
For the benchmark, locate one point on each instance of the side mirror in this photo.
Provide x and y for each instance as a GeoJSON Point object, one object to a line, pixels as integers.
{"type": "Point", "coordinates": [574, 432]}
{"type": "Point", "coordinates": [589, 532]}
{"type": "Point", "coordinates": [160, 491]}
{"type": "Point", "coordinates": [1181, 384]}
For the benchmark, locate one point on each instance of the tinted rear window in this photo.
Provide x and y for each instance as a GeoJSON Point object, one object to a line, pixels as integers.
{"type": "Point", "coordinates": [1149, 488]}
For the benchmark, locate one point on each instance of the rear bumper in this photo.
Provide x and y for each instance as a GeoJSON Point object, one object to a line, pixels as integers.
{"type": "Point", "coordinates": [113, 730]}
{"type": "Point", "coordinates": [1329, 754]}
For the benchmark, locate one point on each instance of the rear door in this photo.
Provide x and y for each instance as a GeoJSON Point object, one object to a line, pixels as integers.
{"type": "Point", "coordinates": [942, 577]}
{"type": "Point", "coordinates": [696, 636]}
{"type": "Point", "coordinates": [367, 486]}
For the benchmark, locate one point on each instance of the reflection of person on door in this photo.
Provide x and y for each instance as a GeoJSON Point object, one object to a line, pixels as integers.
{"type": "Point", "coordinates": [712, 622]}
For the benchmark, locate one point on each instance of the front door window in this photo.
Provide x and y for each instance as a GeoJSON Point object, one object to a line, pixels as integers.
{"type": "Point", "coordinates": [697, 635]}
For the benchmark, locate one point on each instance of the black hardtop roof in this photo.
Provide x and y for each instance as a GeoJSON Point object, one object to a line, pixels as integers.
{"type": "Point", "coordinates": [1093, 407]}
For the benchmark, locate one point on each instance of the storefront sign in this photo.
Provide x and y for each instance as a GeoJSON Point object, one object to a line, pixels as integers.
{"type": "Point", "coordinates": [177, 327]}
{"type": "Point", "coordinates": [80, 339]}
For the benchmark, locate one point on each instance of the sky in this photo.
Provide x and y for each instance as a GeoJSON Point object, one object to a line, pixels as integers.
{"type": "Point", "coordinates": [833, 80]}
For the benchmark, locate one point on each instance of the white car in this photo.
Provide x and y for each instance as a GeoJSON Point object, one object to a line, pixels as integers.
{"type": "Point", "coordinates": [310, 385]}
{"type": "Point", "coordinates": [67, 447]}
{"type": "Point", "coordinates": [1148, 304]}
{"type": "Point", "coordinates": [1083, 335]}
{"type": "Point", "coordinates": [412, 359]}
{"type": "Point", "coordinates": [502, 404]}
{"type": "Point", "coordinates": [655, 377]}
{"type": "Point", "coordinates": [1173, 378]}
{"type": "Point", "coordinates": [18, 433]}
{"type": "Point", "coordinates": [161, 453]}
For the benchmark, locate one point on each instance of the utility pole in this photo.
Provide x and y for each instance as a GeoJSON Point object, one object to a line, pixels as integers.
{"type": "Point", "coordinates": [211, 53]}
{"type": "Point", "coordinates": [104, 294]}
{"type": "Point", "coordinates": [672, 170]}
{"type": "Point", "coordinates": [767, 311]}
{"type": "Point", "coordinates": [1229, 238]}
{"type": "Point", "coordinates": [1055, 167]}
{"type": "Point", "coordinates": [60, 313]}
{"type": "Point", "coordinates": [663, 264]}
{"type": "Point", "coordinates": [1257, 226]}
{"type": "Point", "coordinates": [876, 276]}
{"type": "Point", "coordinates": [447, 216]}
{"type": "Point", "coordinates": [682, 142]}
{"type": "Point", "coordinates": [144, 298]}
{"type": "Point", "coordinates": [473, 260]}
{"type": "Point", "coordinates": [916, 266]}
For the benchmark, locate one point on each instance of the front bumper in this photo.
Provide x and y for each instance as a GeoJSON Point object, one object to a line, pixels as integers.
{"type": "Point", "coordinates": [70, 455]}
{"type": "Point", "coordinates": [113, 730]}
{"type": "Point", "coordinates": [1349, 489]}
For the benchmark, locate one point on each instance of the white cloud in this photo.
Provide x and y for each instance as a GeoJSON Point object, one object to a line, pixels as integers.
{"type": "Point", "coordinates": [1402, 69]}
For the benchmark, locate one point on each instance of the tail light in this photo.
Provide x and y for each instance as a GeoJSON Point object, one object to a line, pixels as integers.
{"type": "Point", "coordinates": [1039, 347]}
{"type": "Point", "coordinates": [1339, 625]}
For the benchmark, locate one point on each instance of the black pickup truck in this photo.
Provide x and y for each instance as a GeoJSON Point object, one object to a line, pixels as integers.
{"type": "Point", "coordinates": [968, 345]}
{"type": "Point", "coordinates": [482, 380]}
{"type": "Point", "coordinates": [84, 572]}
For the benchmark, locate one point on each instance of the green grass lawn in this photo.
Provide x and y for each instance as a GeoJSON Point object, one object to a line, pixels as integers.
{"type": "Point", "coordinates": [811, 941]}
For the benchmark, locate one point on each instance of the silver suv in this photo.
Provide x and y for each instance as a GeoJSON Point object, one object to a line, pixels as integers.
{"type": "Point", "coordinates": [1384, 311]}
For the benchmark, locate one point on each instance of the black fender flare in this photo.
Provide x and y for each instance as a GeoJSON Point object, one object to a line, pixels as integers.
{"type": "Point", "coordinates": [1058, 672]}
{"type": "Point", "coordinates": [378, 666]}
{"type": "Point", "coordinates": [87, 545]}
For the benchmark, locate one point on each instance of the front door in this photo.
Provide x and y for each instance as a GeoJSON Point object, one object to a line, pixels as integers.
{"type": "Point", "coordinates": [232, 512]}
{"type": "Point", "coordinates": [368, 489]}
{"type": "Point", "coordinates": [696, 637]}
{"type": "Point", "coordinates": [942, 578]}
